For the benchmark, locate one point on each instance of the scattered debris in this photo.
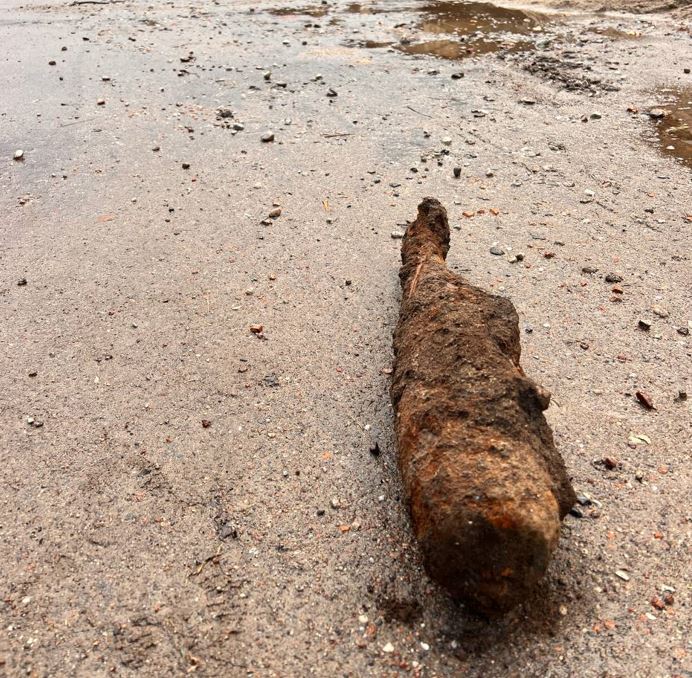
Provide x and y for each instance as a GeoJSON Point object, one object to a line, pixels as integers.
{"type": "Point", "coordinates": [645, 400]}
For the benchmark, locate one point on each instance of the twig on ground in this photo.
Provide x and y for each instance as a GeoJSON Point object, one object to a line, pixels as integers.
{"type": "Point", "coordinates": [419, 113]}
{"type": "Point", "coordinates": [74, 3]}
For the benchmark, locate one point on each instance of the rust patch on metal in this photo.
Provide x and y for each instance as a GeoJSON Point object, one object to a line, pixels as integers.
{"type": "Point", "coordinates": [486, 487]}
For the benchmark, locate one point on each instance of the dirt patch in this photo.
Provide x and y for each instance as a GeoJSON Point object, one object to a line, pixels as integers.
{"type": "Point", "coordinates": [635, 6]}
{"type": "Point", "coordinates": [314, 11]}
{"type": "Point", "coordinates": [567, 71]}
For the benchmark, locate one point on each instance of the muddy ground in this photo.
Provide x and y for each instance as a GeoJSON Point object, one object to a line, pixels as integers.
{"type": "Point", "coordinates": [182, 494]}
{"type": "Point", "coordinates": [680, 8]}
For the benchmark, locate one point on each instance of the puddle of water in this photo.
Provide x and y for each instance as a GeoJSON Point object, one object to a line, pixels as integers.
{"type": "Point", "coordinates": [476, 27]}
{"type": "Point", "coordinates": [448, 30]}
{"type": "Point", "coordinates": [467, 19]}
{"type": "Point", "coordinates": [454, 49]}
{"type": "Point", "coordinates": [456, 30]}
{"type": "Point", "coordinates": [675, 127]}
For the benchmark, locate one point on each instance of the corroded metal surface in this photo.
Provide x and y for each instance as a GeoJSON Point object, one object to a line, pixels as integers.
{"type": "Point", "coordinates": [486, 486]}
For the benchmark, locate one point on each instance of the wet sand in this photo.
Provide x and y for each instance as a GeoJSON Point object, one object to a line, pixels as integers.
{"type": "Point", "coordinates": [191, 388]}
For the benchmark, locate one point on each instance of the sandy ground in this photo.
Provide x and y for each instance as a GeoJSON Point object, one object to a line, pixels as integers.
{"type": "Point", "coordinates": [180, 495]}
{"type": "Point", "coordinates": [678, 7]}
